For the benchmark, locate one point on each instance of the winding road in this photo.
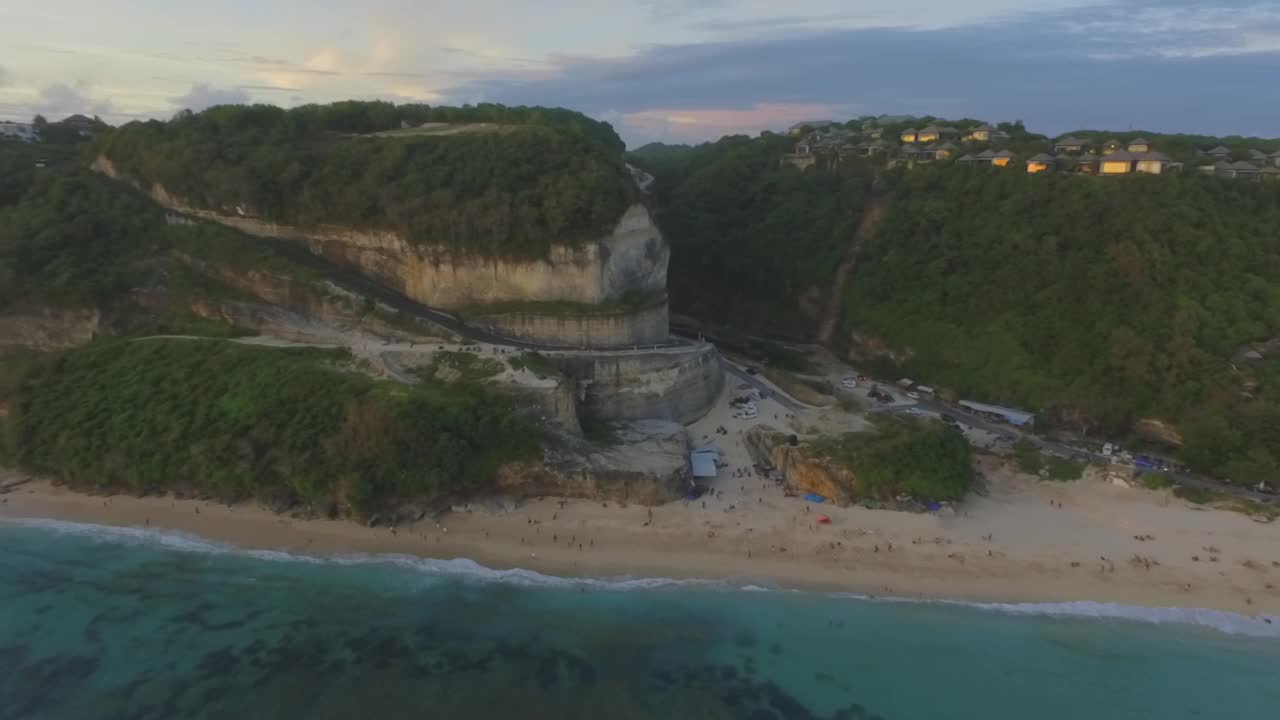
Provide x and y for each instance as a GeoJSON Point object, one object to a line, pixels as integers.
{"type": "Point", "coordinates": [1057, 448]}
{"type": "Point", "coordinates": [359, 284]}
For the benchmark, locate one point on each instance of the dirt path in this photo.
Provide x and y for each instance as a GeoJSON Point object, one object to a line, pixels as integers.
{"type": "Point", "coordinates": [866, 228]}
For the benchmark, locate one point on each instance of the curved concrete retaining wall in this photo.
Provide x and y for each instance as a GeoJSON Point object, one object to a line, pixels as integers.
{"type": "Point", "coordinates": [643, 326]}
{"type": "Point", "coordinates": [679, 384]}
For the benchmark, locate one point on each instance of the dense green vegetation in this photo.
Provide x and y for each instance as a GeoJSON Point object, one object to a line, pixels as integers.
{"type": "Point", "coordinates": [543, 176]}
{"type": "Point", "coordinates": [72, 239]}
{"type": "Point", "coordinates": [1098, 301]}
{"type": "Point", "coordinates": [537, 363]}
{"type": "Point", "coordinates": [460, 367]}
{"type": "Point", "coordinates": [752, 240]}
{"type": "Point", "coordinates": [232, 421]}
{"type": "Point", "coordinates": [921, 458]}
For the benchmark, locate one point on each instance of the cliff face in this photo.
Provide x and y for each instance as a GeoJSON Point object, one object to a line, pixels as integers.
{"type": "Point", "coordinates": [802, 471]}
{"type": "Point", "coordinates": [632, 258]}
{"type": "Point", "coordinates": [48, 329]}
{"type": "Point", "coordinates": [294, 305]}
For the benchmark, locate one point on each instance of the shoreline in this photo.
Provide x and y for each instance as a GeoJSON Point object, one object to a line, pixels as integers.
{"type": "Point", "coordinates": [994, 550]}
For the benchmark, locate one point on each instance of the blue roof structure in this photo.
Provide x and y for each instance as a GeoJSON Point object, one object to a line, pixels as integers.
{"type": "Point", "coordinates": [704, 463]}
{"type": "Point", "coordinates": [1013, 416]}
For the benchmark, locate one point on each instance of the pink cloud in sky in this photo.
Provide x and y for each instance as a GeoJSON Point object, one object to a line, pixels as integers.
{"type": "Point", "coordinates": [677, 126]}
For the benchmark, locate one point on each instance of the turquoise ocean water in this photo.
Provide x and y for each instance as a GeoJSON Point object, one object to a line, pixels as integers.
{"type": "Point", "coordinates": [123, 623]}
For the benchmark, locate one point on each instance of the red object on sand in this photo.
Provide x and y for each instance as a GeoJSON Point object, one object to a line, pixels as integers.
{"type": "Point", "coordinates": [824, 519]}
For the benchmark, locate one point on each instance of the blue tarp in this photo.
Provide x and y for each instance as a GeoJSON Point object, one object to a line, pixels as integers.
{"type": "Point", "coordinates": [704, 464]}
{"type": "Point", "coordinates": [815, 498]}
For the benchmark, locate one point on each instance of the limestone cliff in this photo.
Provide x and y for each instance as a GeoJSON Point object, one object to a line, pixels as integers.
{"type": "Point", "coordinates": [294, 305]}
{"type": "Point", "coordinates": [649, 466]}
{"type": "Point", "coordinates": [631, 259]}
{"type": "Point", "coordinates": [802, 470]}
{"type": "Point", "coordinates": [48, 329]}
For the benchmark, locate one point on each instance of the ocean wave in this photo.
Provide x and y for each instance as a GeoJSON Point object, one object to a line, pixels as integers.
{"type": "Point", "coordinates": [462, 568]}
{"type": "Point", "coordinates": [1267, 626]}
{"type": "Point", "coordinates": [470, 569]}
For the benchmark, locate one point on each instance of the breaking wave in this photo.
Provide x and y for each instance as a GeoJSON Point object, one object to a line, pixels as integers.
{"type": "Point", "coordinates": [463, 568]}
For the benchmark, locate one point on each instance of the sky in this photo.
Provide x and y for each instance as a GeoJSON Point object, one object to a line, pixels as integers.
{"type": "Point", "coordinates": [664, 70]}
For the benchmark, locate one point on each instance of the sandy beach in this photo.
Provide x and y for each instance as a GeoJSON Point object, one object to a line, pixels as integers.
{"type": "Point", "coordinates": [1027, 541]}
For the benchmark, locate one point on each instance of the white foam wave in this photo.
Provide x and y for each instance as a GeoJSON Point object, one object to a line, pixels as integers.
{"type": "Point", "coordinates": [470, 569]}
{"type": "Point", "coordinates": [1267, 626]}
{"type": "Point", "coordinates": [457, 567]}
{"type": "Point", "coordinates": [1231, 623]}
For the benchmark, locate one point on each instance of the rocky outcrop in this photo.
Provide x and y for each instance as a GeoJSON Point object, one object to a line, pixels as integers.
{"type": "Point", "coordinates": [308, 302]}
{"type": "Point", "coordinates": [802, 470]}
{"type": "Point", "coordinates": [864, 347]}
{"type": "Point", "coordinates": [631, 259]}
{"type": "Point", "coordinates": [1158, 431]}
{"type": "Point", "coordinates": [48, 329]}
{"type": "Point", "coordinates": [551, 403]}
{"type": "Point", "coordinates": [648, 466]}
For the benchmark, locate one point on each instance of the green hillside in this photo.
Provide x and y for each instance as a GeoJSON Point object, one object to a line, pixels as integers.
{"type": "Point", "coordinates": [751, 238]}
{"type": "Point", "coordinates": [531, 178]}
{"type": "Point", "coordinates": [72, 239]}
{"type": "Point", "coordinates": [231, 421]}
{"type": "Point", "coordinates": [1098, 301]}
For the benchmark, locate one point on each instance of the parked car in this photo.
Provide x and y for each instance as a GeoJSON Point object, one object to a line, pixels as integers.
{"type": "Point", "coordinates": [1144, 461]}
{"type": "Point", "coordinates": [913, 394]}
{"type": "Point", "coordinates": [1107, 449]}
{"type": "Point", "coordinates": [849, 382]}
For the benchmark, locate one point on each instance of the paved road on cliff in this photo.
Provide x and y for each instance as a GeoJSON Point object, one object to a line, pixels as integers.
{"type": "Point", "coordinates": [765, 390]}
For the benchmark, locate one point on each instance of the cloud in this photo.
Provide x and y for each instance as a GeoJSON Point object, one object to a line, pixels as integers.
{"type": "Point", "coordinates": [267, 88]}
{"type": "Point", "coordinates": [59, 100]}
{"type": "Point", "coordinates": [682, 126]}
{"type": "Point", "coordinates": [257, 60]}
{"type": "Point", "coordinates": [1056, 71]}
{"type": "Point", "coordinates": [393, 74]}
{"type": "Point", "coordinates": [204, 95]}
{"type": "Point", "coordinates": [662, 10]}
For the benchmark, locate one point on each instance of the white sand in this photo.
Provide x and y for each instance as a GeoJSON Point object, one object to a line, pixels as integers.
{"type": "Point", "coordinates": [1035, 552]}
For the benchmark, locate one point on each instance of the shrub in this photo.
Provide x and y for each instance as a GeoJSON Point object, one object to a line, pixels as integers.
{"type": "Point", "coordinates": [236, 421]}
{"type": "Point", "coordinates": [921, 458]}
